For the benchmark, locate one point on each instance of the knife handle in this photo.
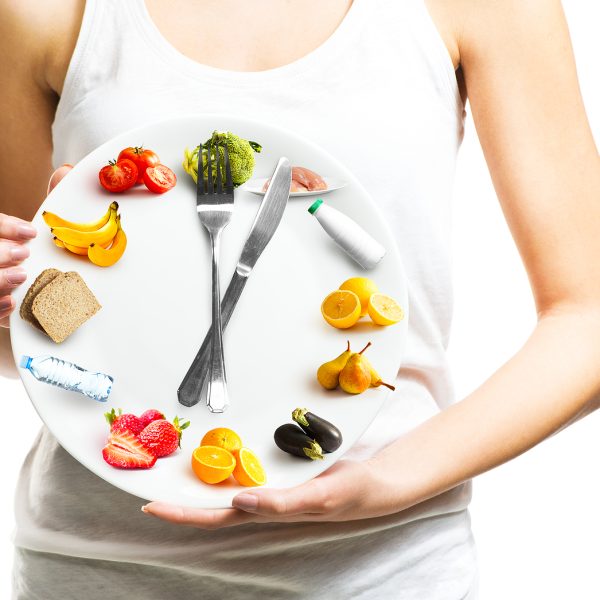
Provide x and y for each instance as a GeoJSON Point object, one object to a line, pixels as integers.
{"type": "Point", "coordinates": [190, 388]}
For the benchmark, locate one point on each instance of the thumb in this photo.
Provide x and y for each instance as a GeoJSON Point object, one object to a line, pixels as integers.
{"type": "Point", "coordinates": [57, 176]}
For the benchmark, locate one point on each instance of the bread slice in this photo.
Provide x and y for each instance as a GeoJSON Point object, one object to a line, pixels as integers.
{"type": "Point", "coordinates": [63, 305]}
{"type": "Point", "coordinates": [41, 281]}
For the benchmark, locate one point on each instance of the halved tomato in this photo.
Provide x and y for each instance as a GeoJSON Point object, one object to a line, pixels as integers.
{"type": "Point", "coordinates": [159, 179]}
{"type": "Point", "coordinates": [118, 176]}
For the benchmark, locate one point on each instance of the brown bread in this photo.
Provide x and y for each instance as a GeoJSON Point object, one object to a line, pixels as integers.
{"type": "Point", "coordinates": [44, 278]}
{"type": "Point", "coordinates": [63, 305]}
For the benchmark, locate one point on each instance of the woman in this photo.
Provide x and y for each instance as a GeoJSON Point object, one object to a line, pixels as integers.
{"type": "Point", "coordinates": [340, 74]}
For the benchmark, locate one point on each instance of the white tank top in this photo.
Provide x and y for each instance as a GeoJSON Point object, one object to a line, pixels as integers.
{"type": "Point", "coordinates": [380, 95]}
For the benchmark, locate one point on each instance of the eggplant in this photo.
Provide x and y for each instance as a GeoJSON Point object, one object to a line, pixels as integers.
{"type": "Point", "coordinates": [325, 433]}
{"type": "Point", "coordinates": [291, 439]}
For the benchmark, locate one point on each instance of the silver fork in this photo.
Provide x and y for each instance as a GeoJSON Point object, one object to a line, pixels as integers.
{"type": "Point", "coordinates": [215, 207]}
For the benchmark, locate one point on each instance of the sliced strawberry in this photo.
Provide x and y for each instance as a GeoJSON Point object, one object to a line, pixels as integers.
{"type": "Point", "coordinates": [125, 451]}
{"type": "Point", "coordinates": [161, 437]}
{"type": "Point", "coordinates": [126, 422]}
{"type": "Point", "coordinates": [150, 415]}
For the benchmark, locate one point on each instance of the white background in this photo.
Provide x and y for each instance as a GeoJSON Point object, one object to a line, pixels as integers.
{"type": "Point", "coordinates": [535, 519]}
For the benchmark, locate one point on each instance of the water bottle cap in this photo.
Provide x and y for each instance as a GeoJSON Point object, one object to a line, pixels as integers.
{"type": "Point", "coordinates": [315, 206]}
{"type": "Point", "coordinates": [25, 362]}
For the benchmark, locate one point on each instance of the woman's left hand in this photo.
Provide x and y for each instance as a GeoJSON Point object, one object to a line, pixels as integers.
{"type": "Point", "coordinates": [342, 493]}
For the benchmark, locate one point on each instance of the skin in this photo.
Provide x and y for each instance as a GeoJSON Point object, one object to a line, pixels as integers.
{"type": "Point", "coordinates": [515, 63]}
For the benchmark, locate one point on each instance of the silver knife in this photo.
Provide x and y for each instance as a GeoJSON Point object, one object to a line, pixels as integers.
{"type": "Point", "coordinates": [267, 220]}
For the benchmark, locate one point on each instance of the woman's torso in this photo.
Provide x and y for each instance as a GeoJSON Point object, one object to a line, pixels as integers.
{"type": "Point", "coordinates": [381, 95]}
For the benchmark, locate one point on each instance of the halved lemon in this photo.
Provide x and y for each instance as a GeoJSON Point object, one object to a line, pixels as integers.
{"type": "Point", "coordinates": [222, 437]}
{"type": "Point", "coordinates": [363, 287]}
{"type": "Point", "coordinates": [248, 470]}
{"type": "Point", "coordinates": [212, 464]}
{"type": "Point", "coordinates": [341, 309]}
{"type": "Point", "coordinates": [384, 310]}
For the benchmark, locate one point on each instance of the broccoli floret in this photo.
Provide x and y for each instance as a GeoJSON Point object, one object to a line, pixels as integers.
{"type": "Point", "coordinates": [241, 156]}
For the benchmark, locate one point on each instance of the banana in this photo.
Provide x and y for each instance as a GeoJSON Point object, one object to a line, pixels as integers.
{"type": "Point", "coordinates": [84, 238]}
{"type": "Point", "coordinates": [54, 220]}
{"type": "Point", "coordinates": [58, 242]}
{"type": "Point", "coordinates": [105, 258]}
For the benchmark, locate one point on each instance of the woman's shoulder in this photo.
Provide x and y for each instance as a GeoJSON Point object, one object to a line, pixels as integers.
{"type": "Point", "coordinates": [38, 38]}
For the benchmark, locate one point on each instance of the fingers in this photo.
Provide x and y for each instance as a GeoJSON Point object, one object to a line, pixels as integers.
{"type": "Point", "coordinates": [11, 279]}
{"type": "Point", "coordinates": [15, 229]}
{"type": "Point", "coordinates": [197, 517]}
{"type": "Point", "coordinates": [311, 498]}
{"type": "Point", "coordinates": [7, 305]}
{"type": "Point", "coordinates": [57, 176]}
{"type": "Point", "coordinates": [12, 254]}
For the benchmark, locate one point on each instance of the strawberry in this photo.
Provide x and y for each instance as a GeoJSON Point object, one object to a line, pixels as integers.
{"type": "Point", "coordinates": [161, 437]}
{"type": "Point", "coordinates": [151, 415]}
{"type": "Point", "coordinates": [126, 422]}
{"type": "Point", "coordinates": [125, 451]}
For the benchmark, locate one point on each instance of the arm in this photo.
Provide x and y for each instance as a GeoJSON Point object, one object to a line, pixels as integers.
{"type": "Point", "coordinates": [520, 77]}
{"type": "Point", "coordinates": [36, 40]}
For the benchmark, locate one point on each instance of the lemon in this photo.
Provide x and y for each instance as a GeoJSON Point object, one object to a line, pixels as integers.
{"type": "Point", "coordinates": [363, 288]}
{"type": "Point", "coordinates": [384, 310]}
{"type": "Point", "coordinates": [341, 309]}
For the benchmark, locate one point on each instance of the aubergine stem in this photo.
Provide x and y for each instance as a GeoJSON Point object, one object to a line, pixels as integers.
{"type": "Point", "coordinates": [315, 452]}
{"type": "Point", "coordinates": [298, 416]}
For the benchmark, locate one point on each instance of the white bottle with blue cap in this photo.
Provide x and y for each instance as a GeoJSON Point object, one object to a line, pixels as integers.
{"type": "Point", "coordinates": [68, 376]}
{"type": "Point", "coordinates": [348, 235]}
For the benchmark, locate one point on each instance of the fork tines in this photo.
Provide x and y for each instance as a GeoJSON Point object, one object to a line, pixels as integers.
{"type": "Point", "coordinates": [208, 188]}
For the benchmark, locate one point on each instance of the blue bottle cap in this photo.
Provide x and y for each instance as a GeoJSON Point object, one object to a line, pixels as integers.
{"type": "Point", "coordinates": [25, 362]}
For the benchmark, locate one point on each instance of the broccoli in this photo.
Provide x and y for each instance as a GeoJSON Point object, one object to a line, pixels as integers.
{"type": "Point", "coordinates": [241, 156]}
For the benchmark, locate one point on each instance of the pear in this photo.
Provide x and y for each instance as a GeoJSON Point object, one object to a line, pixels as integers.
{"type": "Point", "coordinates": [376, 380]}
{"type": "Point", "coordinates": [355, 377]}
{"type": "Point", "coordinates": [328, 373]}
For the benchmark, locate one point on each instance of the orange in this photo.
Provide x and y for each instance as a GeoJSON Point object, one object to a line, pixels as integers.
{"type": "Point", "coordinates": [248, 470]}
{"type": "Point", "coordinates": [384, 310]}
{"type": "Point", "coordinates": [363, 288]}
{"type": "Point", "coordinates": [212, 464]}
{"type": "Point", "coordinates": [222, 437]}
{"type": "Point", "coordinates": [341, 309]}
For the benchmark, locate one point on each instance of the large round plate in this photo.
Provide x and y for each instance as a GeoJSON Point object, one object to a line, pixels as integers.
{"type": "Point", "coordinates": [156, 311]}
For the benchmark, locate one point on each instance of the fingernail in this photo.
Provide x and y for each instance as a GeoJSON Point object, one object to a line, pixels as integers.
{"type": "Point", "coordinates": [26, 232]}
{"type": "Point", "coordinates": [15, 276]}
{"type": "Point", "coordinates": [5, 303]}
{"type": "Point", "coordinates": [67, 165]}
{"type": "Point", "coordinates": [246, 501]}
{"type": "Point", "coordinates": [19, 253]}
{"type": "Point", "coordinates": [144, 509]}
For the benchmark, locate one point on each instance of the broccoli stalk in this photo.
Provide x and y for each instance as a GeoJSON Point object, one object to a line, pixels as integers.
{"type": "Point", "coordinates": [241, 156]}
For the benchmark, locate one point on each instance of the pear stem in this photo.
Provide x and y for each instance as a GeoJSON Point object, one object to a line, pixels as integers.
{"type": "Point", "coordinates": [389, 386]}
{"type": "Point", "coordinates": [365, 348]}
{"type": "Point", "coordinates": [348, 348]}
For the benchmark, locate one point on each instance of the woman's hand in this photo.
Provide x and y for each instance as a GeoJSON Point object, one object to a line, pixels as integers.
{"type": "Point", "coordinates": [14, 235]}
{"type": "Point", "coordinates": [345, 492]}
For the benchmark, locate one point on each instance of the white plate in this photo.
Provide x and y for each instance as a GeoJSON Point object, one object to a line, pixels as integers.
{"type": "Point", "coordinates": [156, 311]}
{"type": "Point", "coordinates": [256, 186]}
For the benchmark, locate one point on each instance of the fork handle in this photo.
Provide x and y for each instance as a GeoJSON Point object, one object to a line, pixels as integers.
{"type": "Point", "coordinates": [216, 399]}
{"type": "Point", "coordinates": [190, 388]}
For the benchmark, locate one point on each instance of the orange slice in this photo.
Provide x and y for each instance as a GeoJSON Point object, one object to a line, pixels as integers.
{"type": "Point", "coordinates": [222, 437]}
{"type": "Point", "coordinates": [212, 464]}
{"type": "Point", "coordinates": [384, 310]}
{"type": "Point", "coordinates": [248, 470]}
{"type": "Point", "coordinates": [341, 309]}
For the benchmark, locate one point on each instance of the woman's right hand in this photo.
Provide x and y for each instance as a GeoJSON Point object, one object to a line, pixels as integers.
{"type": "Point", "coordinates": [14, 235]}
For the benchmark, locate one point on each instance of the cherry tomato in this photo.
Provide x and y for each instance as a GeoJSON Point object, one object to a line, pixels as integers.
{"type": "Point", "coordinates": [159, 179]}
{"type": "Point", "coordinates": [118, 176]}
{"type": "Point", "coordinates": [142, 157]}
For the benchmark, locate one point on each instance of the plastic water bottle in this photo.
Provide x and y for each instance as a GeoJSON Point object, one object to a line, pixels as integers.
{"type": "Point", "coordinates": [348, 235]}
{"type": "Point", "coordinates": [68, 376]}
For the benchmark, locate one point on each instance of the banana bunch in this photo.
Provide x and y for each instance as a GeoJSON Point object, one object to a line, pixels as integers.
{"type": "Point", "coordinates": [102, 241]}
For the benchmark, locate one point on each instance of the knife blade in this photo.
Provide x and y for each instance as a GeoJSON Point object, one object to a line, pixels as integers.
{"type": "Point", "coordinates": [266, 221]}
